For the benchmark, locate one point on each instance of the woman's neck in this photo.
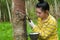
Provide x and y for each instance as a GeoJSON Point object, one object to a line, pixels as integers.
{"type": "Point", "coordinates": [45, 17]}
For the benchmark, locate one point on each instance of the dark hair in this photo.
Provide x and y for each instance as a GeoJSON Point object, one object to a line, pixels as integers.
{"type": "Point", "coordinates": [42, 4]}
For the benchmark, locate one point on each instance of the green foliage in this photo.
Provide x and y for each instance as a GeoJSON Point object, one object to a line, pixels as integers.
{"type": "Point", "coordinates": [59, 28]}
{"type": "Point", "coordinates": [6, 31]}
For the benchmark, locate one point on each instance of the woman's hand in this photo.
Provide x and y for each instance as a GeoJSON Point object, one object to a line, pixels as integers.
{"type": "Point", "coordinates": [31, 22]}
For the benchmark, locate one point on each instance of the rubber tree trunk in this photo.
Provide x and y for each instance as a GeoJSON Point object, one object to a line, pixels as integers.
{"type": "Point", "coordinates": [19, 19]}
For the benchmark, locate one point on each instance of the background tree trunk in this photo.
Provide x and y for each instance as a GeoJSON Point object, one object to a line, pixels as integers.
{"type": "Point", "coordinates": [19, 19]}
{"type": "Point", "coordinates": [0, 13]}
{"type": "Point", "coordinates": [56, 9]}
{"type": "Point", "coordinates": [0, 10]}
{"type": "Point", "coordinates": [8, 10]}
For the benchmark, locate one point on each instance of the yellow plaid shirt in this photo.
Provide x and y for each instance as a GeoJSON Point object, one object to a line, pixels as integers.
{"type": "Point", "coordinates": [47, 29]}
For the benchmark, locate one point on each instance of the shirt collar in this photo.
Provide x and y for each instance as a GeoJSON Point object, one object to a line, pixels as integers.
{"type": "Point", "coordinates": [39, 19]}
{"type": "Point", "coordinates": [47, 19]}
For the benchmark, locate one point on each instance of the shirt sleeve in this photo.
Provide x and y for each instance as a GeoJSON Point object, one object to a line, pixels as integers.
{"type": "Point", "coordinates": [46, 30]}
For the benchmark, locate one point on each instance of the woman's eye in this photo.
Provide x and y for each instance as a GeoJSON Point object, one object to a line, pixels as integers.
{"type": "Point", "coordinates": [39, 13]}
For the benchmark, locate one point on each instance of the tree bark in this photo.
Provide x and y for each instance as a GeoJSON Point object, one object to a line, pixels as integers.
{"type": "Point", "coordinates": [19, 19]}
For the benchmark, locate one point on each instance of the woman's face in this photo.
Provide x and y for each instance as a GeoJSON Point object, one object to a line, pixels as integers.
{"type": "Point", "coordinates": [40, 13]}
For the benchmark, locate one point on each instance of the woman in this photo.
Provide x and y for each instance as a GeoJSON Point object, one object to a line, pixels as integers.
{"type": "Point", "coordinates": [47, 25]}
